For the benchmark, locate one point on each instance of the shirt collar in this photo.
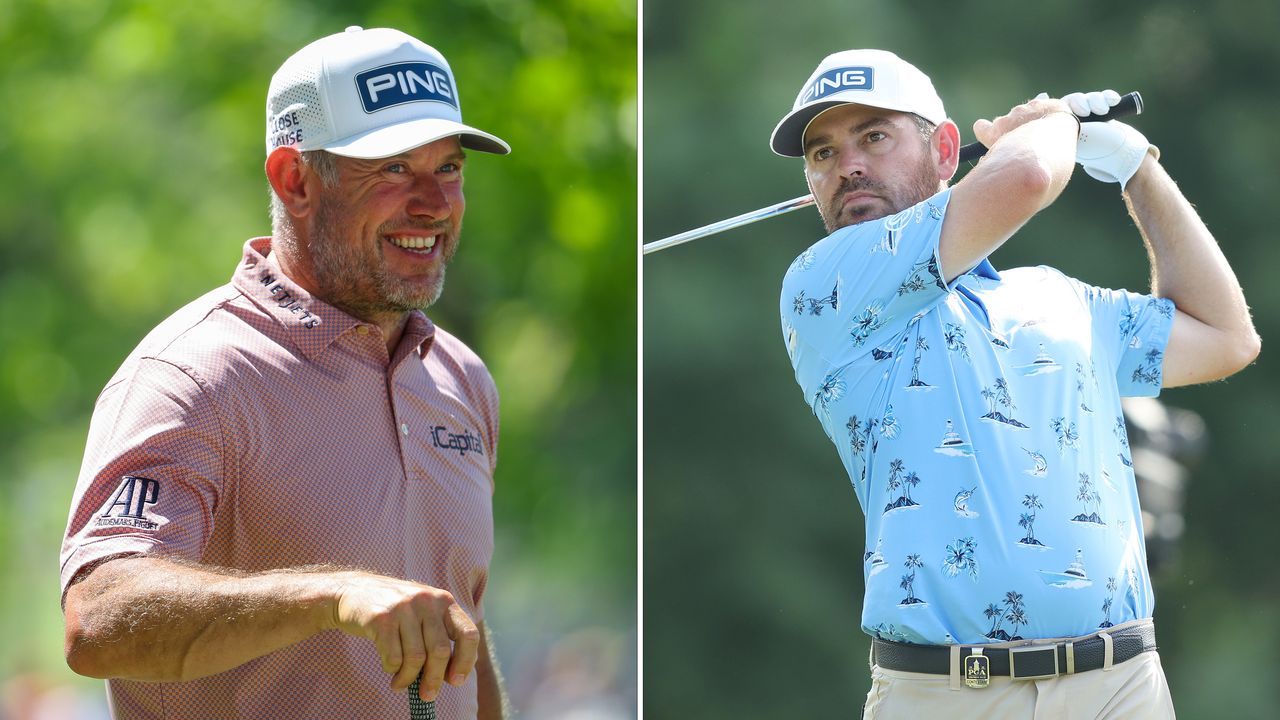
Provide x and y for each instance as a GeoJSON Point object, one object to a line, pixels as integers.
{"type": "Point", "coordinates": [313, 324]}
{"type": "Point", "coordinates": [985, 269]}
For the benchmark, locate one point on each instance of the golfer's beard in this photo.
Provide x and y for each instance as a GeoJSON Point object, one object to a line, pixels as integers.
{"type": "Point", "coordinates": [924, 185]}
{"type": "Point", "coordinates": [353, 276]}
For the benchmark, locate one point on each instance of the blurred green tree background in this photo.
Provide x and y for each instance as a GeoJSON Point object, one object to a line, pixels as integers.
{"type": "Point", "coordinates": [132, 137]}
{"type": "Point", "coordinates": [752, 534]}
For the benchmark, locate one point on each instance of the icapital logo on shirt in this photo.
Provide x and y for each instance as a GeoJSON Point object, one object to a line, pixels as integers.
{"type": "Point", "coordinates": [464, 442]}
{"type": "Point", "coordinates": [128, 506]}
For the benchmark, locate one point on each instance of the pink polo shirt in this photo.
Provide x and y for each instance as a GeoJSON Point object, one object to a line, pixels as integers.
{"type": "Point", "coordinates": [261, 428]}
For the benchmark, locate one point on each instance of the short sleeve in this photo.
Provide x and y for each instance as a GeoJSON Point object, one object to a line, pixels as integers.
{"type": "Point", "coordinates": [861, 286]}
{"type": "Point", "coordinates": [152, 470]}
{"type": "Point", "coordinates": [1134, 328]}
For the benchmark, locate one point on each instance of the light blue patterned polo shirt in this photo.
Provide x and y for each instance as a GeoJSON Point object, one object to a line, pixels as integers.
{"type": "Point", "coordinates": [981, 427]}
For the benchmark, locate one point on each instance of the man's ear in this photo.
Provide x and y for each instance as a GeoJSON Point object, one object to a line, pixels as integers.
{"type": "Point", "coordinates": [945, 146]}
{"type": "Point", "coordinates": [292, 180]}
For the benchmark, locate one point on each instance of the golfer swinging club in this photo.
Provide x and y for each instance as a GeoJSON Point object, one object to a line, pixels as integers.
{"type": "Point", "coordinates": [978, 412]}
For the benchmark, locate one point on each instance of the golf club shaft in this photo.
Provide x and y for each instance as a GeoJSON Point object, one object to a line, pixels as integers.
{"type": "Point", "coordinates": [1130, 104]}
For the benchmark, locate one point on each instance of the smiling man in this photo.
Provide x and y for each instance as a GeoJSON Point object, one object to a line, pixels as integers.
{"type": "Point", "coordinates": [267, 522]}
{"type": "Point", "coordinates": [977, 413]}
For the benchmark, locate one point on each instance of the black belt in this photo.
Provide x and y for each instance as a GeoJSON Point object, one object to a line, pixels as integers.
{"type": "Point", "coordinates": [1031, 662]}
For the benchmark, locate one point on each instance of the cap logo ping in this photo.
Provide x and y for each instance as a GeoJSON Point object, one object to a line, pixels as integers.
{"type": "Point", "coordinates": [839, 80]}
{"type": "Point", "coordinates": [400, 83]}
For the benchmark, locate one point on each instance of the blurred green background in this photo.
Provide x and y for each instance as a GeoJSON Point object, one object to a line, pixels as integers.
{"type": "Point", "coordinates": [132, 138]}
{"type": "Point", "coordinates": [752, 535]}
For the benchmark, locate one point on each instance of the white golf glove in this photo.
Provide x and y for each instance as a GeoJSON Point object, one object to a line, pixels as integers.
{"type": "Point", "coordinates": [1109, 151]}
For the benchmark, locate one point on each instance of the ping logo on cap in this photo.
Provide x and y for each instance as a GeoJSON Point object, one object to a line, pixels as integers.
{"type": "Point", "coordinates": [839, 80]}
{"type": "Point", "coordinates": [399, 83]}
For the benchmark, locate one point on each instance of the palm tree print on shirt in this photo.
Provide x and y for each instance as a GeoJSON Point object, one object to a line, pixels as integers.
{"type": "Point", "coordinates": [923, 274]}
{"type": "Point", "coordinates": [1028, 520]}
{"type": "Point", "coordinates": [961, 556]}
{"type": "Point", "coordinates": [908, 581]}
{"type": "Point", "coordinates": [1066, 433]}
{"type": "Point", "coordinates": [1089, 497]}
{"type": "Point", "coordinates": [999, 397]}
{"type": "Point", "coordinates": [898, 480]}
{"type": "Point", "coordinates": [859, 432]}
{"type": "Point", "coordinates": [1106, 604]}
{"type": "Point", "coordinates": [1149, 371]}
{"type": "Point", "coordinates": [916, 383]}
{"type": "Point", "coordinates": [1012, 610]}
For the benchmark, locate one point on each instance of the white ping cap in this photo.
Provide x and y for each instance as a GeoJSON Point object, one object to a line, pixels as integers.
{"type": "Point", "coordinates": [876, 78]}
{"type": "Point", "coordinates": [368, 94]}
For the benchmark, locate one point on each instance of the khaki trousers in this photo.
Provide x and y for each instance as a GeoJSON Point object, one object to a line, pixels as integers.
{"type": "Point", "coordinates": [1132, 690]}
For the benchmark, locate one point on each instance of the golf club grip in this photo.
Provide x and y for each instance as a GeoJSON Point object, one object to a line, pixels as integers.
{"type": "Point", "coordinates": [1130, 104]}
{"type": "Point", "coordinates": [419, 710]}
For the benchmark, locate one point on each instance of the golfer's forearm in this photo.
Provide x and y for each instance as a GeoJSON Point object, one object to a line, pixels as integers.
{"type": "Point", "coordinates": [1026, 170]}
{"type": "Point", "coordinates": [153, 620]}
{"type": "Point", "coordinates": [1187, 266]}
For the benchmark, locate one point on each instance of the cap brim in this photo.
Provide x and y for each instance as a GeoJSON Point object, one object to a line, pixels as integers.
{"type": "Point", "coordinates": [788, 136]}
{"type": "Point", "coordinates": [403, 137]}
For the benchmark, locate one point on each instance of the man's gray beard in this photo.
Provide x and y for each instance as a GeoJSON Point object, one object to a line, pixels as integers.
{"type": "Point", "coordinates": [926, 184]}
{"type": "Point", "coordinates": [351, 280]}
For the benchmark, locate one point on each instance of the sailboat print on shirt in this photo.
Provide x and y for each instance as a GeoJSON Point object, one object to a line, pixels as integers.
{"type": "Point", "coordinates": [953, 444]}
{"type": "Point", "coordinates": [875, 560]}
{"type": "Point", "coordinates": [1042, 365]}
{"type": "Point", "coordinates": [1074, 577]}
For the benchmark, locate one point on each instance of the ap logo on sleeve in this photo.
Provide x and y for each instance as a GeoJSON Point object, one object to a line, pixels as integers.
{"type": "Point", "coordinates": [128, 506]}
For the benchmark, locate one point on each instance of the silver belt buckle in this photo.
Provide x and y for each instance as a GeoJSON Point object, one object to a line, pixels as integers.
{"type": "Point", "coordinates": [977, 670]}
{"type": "Point", "coordinates": [1025, 655]}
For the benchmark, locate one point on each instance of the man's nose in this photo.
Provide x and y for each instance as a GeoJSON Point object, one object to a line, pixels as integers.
{"type": "Point", "coordinates": [853, 162]}
{"type": "Point", "coordinates": [430, 199]}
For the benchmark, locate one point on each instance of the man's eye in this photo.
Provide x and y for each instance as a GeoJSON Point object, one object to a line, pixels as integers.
{"type": "Point", "coordinates": [396, 168]}
{"type": "Point", "coordinates": [875, 136]}
{"type": "Point", "coordinates": [823, 153]}
{"type": "Point", "coordinates": [450, 168]}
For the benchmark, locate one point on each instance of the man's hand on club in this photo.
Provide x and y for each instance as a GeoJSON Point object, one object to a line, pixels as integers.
{"type": "Point", "coordinates": [1108, 151]}
{"type": "Point", "coordinates": [417, 629]}
{"type": "Point", "coordinates": [989, 131]}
